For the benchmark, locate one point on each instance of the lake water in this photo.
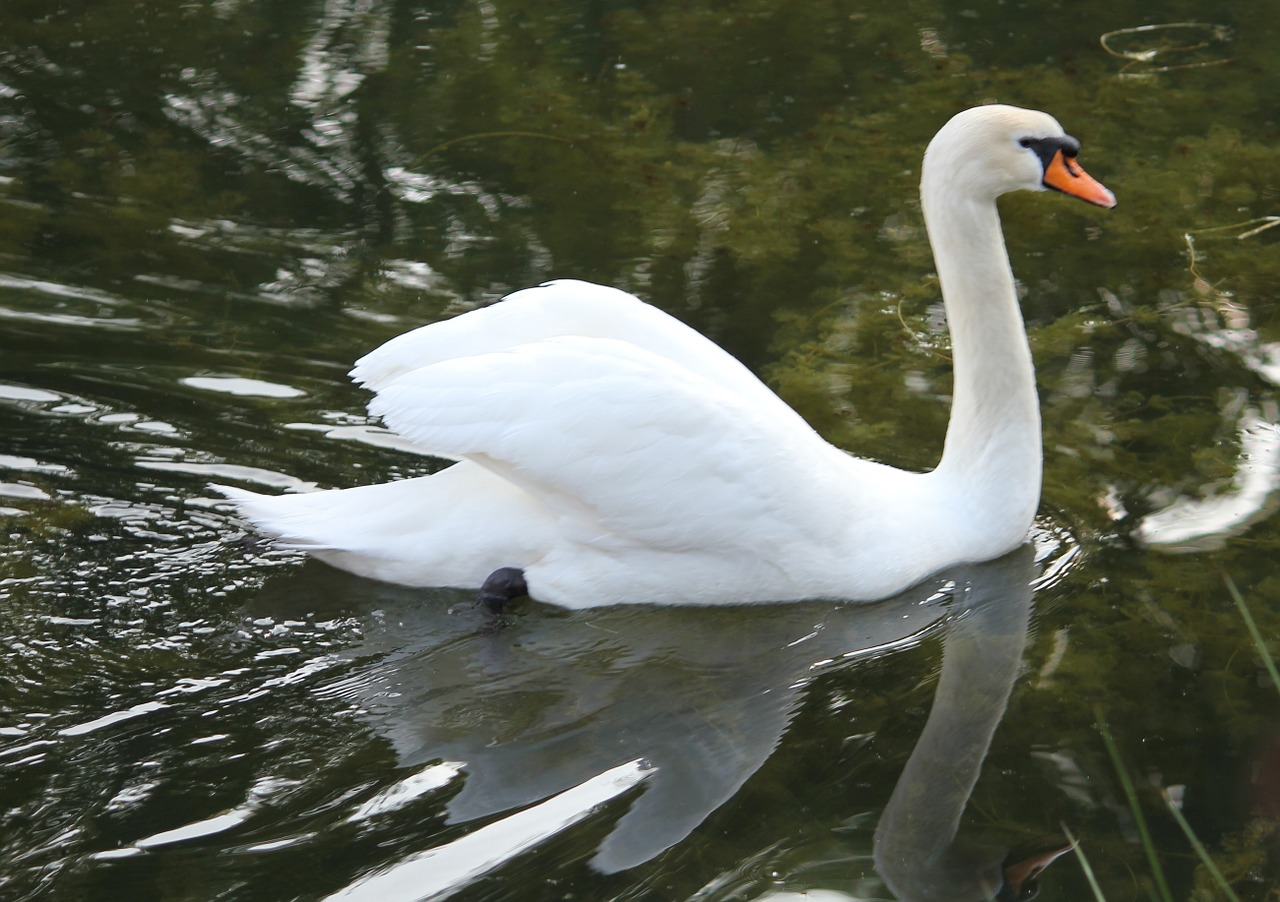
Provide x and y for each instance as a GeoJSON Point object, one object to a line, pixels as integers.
{"type": "Point", "coordinates": [208, 210]}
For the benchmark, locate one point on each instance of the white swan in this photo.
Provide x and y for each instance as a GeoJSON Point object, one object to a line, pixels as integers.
{"type": "Point", "coordinates": [609, 454]}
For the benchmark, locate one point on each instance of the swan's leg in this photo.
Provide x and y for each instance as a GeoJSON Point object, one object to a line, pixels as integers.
{"type": "Point", "coordinates": [502, 586]}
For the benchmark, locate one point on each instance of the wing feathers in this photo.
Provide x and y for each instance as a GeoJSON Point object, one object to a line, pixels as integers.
{"type": "Point", "coordinates": [566, 308]}
{"type": "Point", "coordinates": [603, 432]}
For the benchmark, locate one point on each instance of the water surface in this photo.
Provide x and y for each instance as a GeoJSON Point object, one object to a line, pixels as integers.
{"type": "Point", "coordinates": [209, 210]}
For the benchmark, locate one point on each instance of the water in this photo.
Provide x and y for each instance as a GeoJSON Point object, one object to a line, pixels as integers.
{"type": "Point", "coordinates": [210, 210]}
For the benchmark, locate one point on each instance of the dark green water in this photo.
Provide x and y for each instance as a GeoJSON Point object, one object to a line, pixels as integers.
{"type": "Point", "coordinates": [208, 210]}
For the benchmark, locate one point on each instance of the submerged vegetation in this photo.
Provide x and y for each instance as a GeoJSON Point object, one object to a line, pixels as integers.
{"type": "Point", "coordinates": [1244, 855]}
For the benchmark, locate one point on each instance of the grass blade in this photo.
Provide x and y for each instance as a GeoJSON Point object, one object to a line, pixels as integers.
{"type": "Point", "coordinates": [1084, 865]}
{"type": "Point", "coordinates": [1227, 891]}
{"type": "Point", "coordinates": [1253, 631]}
{"type": "Point", "coordinates": [1127, 784]}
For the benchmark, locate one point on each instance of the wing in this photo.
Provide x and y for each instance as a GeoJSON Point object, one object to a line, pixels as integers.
{"type": "Point", "coordinates": [616, 439]}
{"type": "Point", "coordinates": [564, 308]}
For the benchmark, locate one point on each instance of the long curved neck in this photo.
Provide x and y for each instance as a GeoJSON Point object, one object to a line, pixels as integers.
{"type": "Point", "coordinates": [992, 454]}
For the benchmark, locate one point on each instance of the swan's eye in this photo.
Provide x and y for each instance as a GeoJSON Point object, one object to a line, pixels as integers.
{"type": "Point", "coordinates": [1026, 142]}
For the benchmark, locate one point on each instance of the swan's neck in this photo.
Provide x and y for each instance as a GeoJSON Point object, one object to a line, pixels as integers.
{"type": "Point", "coordinates": [992, 456]}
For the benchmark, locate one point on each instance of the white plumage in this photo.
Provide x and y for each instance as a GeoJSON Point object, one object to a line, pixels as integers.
{"type": "Point", "coordinates": [614, 455]}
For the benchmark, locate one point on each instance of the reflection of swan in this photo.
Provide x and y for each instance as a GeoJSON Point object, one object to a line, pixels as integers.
{"type": "Point", "coordinates": [609, 454]}
{"type": "Point", "coordinates": [917, 852]}
{"type": "Point", "coordinates": [497, 731]}
{"type": "Point", "coordinates": [916, 849]}
{"type": "Point", "coordinates": [527, 712]}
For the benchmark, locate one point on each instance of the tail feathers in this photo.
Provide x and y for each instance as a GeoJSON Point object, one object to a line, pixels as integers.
{"type": "Point", "coordinates": [278, 516]}
{"type": "Point", "coordinates": [452, 528]}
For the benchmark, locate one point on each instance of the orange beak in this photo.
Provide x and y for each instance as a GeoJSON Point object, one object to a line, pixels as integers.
{"type": "Point", "coordinates": [1065, 175]}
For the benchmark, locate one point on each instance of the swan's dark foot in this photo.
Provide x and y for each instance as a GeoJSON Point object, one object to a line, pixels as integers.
{"type": "Point", "coordinates": [501, 587]}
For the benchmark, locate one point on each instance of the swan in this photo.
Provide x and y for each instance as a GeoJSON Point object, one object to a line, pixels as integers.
{"type": "Point", "coordinates": [607, 454]}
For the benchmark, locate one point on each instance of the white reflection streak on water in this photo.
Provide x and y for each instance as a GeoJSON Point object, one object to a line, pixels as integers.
{"type": "Point", "coordinates": [400, 794]}
{"type": "Point", "coordinates": [29, 464]}
{"type": "Point", "coordinates": [440, 872]}
{"type": "Point", "coordinates": [26, 393]}
{"type": "Point", "coordinates": [1192, 524]}
{"type": "Point", "coordinates": [113, 718]}
{"type": "Point", "coordinates": [373, 436]}
{"type": "Point", "coordinates": [350, 41]}
{"type": "Point", "coordinates": [236, 472]}
{"type": "Point", "coordinates": [242, 387]}
{"type": "Point", "coordinates": [190, 686]}
{"type": "Point", "coordinates": [94, 305]}
{"type": "Point", "coordinates": [324, 79]}
{"type": "Point", "coordinates": [68, 319]}
{"type": "Point", "coordinates": [1236, 336]}
{"type": "Point", "coordinates": [205, 827]}
{"type": "Point", "coordinates": [58, 289]}
{"type": "Point", "coordinates": [23, 491]}
{"type": "Point", "coordinates": [206, 112]}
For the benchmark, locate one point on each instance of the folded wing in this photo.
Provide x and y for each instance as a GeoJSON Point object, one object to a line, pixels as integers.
{"type": "Point", "coordinates": [621, 443]}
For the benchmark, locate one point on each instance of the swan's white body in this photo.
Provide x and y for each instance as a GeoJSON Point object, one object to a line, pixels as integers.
{"type": "Point", "coordinates": [616, 456]}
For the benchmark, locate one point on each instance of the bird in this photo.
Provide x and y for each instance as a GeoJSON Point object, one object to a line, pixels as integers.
{"type": "Point", "coordinates": [605, 453]}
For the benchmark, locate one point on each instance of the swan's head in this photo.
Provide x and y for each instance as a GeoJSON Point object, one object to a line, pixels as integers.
{"type": "Point", "coordinates": [991, 150]}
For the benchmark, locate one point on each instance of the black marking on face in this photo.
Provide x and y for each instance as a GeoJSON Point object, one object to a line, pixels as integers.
{"type": "Point", "coordinates": [1047, 148]}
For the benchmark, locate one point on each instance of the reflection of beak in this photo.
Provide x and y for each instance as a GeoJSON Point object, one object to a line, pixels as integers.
{"type": "Point", "coordinates": [1023, 864]}
{"type": "Point", "coordinates": [1065, 175]}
